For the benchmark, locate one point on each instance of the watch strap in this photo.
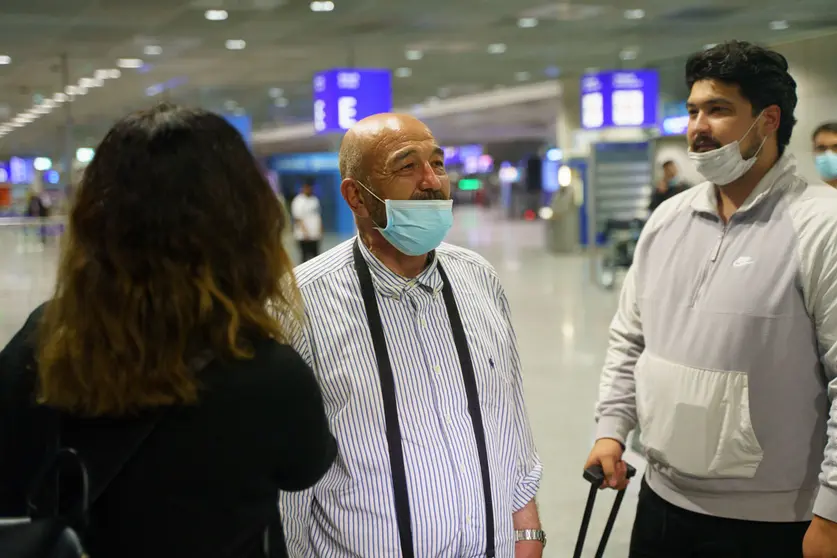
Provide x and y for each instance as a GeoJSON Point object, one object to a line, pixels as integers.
{"type": "Point", "coordinates": [539, 535]}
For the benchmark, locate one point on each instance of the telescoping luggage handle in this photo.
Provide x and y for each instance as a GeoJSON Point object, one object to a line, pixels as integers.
{"type": "Point", "coordinates": [595, 476]}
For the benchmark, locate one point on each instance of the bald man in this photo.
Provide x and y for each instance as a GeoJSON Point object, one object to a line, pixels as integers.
{"type": "Point", "coordinates": [412, 342]}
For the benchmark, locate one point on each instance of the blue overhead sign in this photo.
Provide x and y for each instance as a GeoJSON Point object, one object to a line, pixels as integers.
{"type": "Point", "coordinates": [675, 119]}
{"type": "Point", "coordinates": [344, 96]}
{"type": "Point", "coordinates": [619, 99]}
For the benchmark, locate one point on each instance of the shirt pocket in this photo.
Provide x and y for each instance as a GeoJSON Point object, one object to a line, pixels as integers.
{"type": "Point", "coordinates": [696, 421]}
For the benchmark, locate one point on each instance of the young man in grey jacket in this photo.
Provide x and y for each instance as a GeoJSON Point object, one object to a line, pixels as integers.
{"type": "Point", "coordinates": [724, 346]}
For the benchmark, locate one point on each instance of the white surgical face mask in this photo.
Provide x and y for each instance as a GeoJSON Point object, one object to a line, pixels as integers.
{"type": "Point", "coordinates": [726, 164]}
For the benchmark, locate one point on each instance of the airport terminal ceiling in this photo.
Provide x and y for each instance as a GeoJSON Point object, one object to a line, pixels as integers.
{"type": "Point", "coordinates": [259, 56]}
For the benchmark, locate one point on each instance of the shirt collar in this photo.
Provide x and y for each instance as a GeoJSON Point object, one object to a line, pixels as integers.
{"type": "Point", "coordinates": [392, 285]}
{"type": "Point", "coordinates": [775, 179]}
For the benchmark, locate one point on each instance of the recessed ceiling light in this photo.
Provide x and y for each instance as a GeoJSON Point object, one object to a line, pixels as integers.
{"type": "Point", "coordinates": [403, 72]}
{"type": "Point", "coordinates": [153, 50]}
{"type": "Point", "coordinates": [230, 105]}
{"type": "Point", "coordinates": [634, 14]}
{"type": "Point", "coordinates": [628, 54]}
{"type": "Point", "coordinates": [5, 59]}
{"type": "Point", "coordinates": [59, 97]}
{"type": "Point", "coordinates": [779, 25]}
{"type": "Point", "coordinates": [413, 54]}
{"type": "Point", "coordinates": [235, 44]}
{"type": "Point", "coordinates": [496, 48]}
{"type": "Point", "coordinates": [216, 15]}
{"type": "Point", "coordinates": [709, 45]}
{"type": "Point", "coordinates": [527, 22]}
{"type": "Point", "coordinates": [90, 82]}
{"type": "Point", "coordinates": [281, 102]}
{"type": "Point", "coordinates": [129, 63]}
{"type": "Point", "coordinates": [114, 74]}
{"type": "Point", "coordinates": [326, 6]}
{"type": "Point", "coordinates": [522, 76]}
{"type": "Point", "coordinates": [275, 92]}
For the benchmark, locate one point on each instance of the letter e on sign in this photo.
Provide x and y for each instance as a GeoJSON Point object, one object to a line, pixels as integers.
{"type": "Point", "coordinates": [319, 115]}
{"type": "Point", "coordinates": [346, 112]}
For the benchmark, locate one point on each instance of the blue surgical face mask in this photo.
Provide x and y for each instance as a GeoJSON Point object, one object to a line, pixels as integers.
{"type": "Point", "coordinates": [415, 227]}
{"type": "Point", "coordinates": [827, 165]}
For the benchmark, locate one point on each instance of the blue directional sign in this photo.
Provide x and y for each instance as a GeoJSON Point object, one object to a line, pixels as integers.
{"type": "Point", "coordinates": [619, 98]}
{"type": "Point", "coordinates": [343, 96]}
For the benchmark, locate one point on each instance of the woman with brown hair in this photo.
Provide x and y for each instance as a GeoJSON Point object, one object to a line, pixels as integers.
{"type": "Point", "coordinates": [165, 312]}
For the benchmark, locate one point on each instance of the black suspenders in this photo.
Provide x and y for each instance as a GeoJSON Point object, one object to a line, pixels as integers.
{"type": "Point", "coordinates": [396, 454]}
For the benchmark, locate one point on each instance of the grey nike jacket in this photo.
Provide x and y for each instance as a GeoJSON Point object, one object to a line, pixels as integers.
{"type": "Point", "coordinates": [724, 350]}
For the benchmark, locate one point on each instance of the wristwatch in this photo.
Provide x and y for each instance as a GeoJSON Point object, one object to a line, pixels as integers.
{"type": "Point", "coordinates": [530, 535]}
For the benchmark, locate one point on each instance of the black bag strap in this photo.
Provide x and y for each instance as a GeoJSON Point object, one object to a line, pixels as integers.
{"type": "Point", "coordinates": [90, 493]}
{"type": "Point", "coordinates": [470, 380]}
{"type": "Point", "coordinates": [393, 428]}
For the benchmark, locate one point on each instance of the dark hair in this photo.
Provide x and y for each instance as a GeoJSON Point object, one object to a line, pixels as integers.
{"type": "Point", "coordinates": [667, 163]}
{"type": "Point", "coordinates": [309, 181]}
{"type": "Point", "coordinates": [761, 74]}
{"type": "Point", "coordinates": [173, 248]}
{"type": "Point", "coordinates": [827, 127]}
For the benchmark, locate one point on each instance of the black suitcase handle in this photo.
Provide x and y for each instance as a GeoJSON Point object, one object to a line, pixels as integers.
{"type": "Point", "coordinates": [595, 476]}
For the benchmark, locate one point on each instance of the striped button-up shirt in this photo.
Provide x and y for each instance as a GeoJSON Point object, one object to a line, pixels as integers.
{"type": "Point", "coordinates": [351, 512]}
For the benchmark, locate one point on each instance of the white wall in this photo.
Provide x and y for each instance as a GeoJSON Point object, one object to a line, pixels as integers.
{"type": "Point", "coordinates": [813, 64]}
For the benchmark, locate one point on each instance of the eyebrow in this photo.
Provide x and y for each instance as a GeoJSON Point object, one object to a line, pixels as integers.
{"type": "Point", "coordinates": [398, 157]}
{"type": "Point", "coordinates": [712, 101]}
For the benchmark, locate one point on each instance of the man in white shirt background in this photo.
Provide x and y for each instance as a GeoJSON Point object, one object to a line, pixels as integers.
{"type": "Point", "coordinates": [412, 343]}
{"type": "Point", "coordinates": [308, 223]}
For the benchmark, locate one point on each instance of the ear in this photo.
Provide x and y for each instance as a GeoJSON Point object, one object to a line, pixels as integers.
{"type": "Point", "coordinates": [350, 190]}
{"type": "Point", "coordinates": [772, 118]}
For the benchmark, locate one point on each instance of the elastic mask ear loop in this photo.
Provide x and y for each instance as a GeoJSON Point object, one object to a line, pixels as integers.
{"type": "Point", "coordinates": [362, 185]}
{"type": "Point", "coordinates": [763, 141]}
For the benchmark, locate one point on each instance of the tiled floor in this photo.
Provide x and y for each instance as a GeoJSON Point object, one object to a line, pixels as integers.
{"type": "Point", "coordinates": [561, 319]}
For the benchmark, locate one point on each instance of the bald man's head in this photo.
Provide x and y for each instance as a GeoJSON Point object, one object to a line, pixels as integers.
{"type": "Point", "coordinates": [390, 157]}
{"type": "Point", "coordinates": [365, 140]}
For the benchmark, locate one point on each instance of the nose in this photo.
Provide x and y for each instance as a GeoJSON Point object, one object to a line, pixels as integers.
{"type": "Point", "coordinates": [429, 179]}
{"type": "Point", "coordinates": [699, 124]}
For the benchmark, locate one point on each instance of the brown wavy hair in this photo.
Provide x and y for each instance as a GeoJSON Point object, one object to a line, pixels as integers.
{"type": "Point", "coordinates": [173, 248]}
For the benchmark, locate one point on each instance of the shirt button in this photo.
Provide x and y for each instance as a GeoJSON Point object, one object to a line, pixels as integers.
{"type": "Point", "coordinates": [468, 519]}
{"type": "Point", "coordinates": [462, 467]}
{"type": "Point", "coordinates": [448, 419]}
{"type": "Point", "coordinates": [437, 369]}
{"type": "Point", "coordinates": [423, 322]}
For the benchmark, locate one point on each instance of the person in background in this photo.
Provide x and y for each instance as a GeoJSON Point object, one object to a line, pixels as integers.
{"type": "Point", "coordinates": [163, 317]}
{"type": "Point", "coordinates": [724, 345]}
{"type": "Point", "coordinates": [413, 344]}
{"type": "Point", "coordinates": [37, 207]}
{"type": "Point", "coordinates": [308, 223]}
{"type": "Point", "coordinates": [825, 152]}
{"type": "Point", "coordinates": [669, 185]}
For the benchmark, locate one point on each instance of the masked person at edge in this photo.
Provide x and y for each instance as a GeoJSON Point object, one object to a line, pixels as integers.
{"type": "Point", "coordinates": [413, 346]}
{"type": "Point", "coordinates": [724, 345]}
{"type": "Point", "coordinates": [825, 152]}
